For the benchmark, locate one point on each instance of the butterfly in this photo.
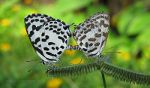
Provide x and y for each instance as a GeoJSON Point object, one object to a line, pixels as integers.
{"type": "Point", "coordinates": [91, 35]}
{"type": "Point", "coordinates": [50, 36]}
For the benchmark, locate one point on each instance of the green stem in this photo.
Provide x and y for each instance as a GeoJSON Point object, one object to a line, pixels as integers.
{"type": "Point", "coordinates": [103, 78]}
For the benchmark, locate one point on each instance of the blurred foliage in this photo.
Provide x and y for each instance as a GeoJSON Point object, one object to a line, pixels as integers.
{"type": "Point", "coordinates": [128, 44]}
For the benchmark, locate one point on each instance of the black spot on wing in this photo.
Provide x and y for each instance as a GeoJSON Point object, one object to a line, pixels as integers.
{"type": "Point", "coordinates": [43, 34]}
{"type": "Point", "coordinates": [46, 38]}
{"type": "Point", "coordinates": [65, 27]}
{"type": "Point", "coordinates": [39, 45]}
{"type": "Point", "coordinates": [84, 49]}
{"type": "Point", "coordinates": [92, 50]}
{"type": "Point", "coordinates": [40, 51]}
{"type": "Point", "coordinates": [86, 45]}
{"type": "Point", "coordinates": [66, 41]}
{"type": "Point", "coordinates": [49, 53]}
{"type": "Point", "coordinates": [91, 44]}
{"type": "Point", "coordinates": [57, 32]}
{"type": "Point", "coordinates": [55, 22]}
{"type": "Point", "coordinates": [86, 31]}
{"type": "Point", "coordinates": [97, 44]}
{"type": "Point", "coordinates": [81, 44]}
{"type": "Point", "coordinates": [27, 25]}
{"type": "Point", "coordinates": [31, 34]}
{"type": "Point", "coordinates": [42, 21]}
{"type": "Point", "coordinates": [62, 47]}
{"type": "Point", "coordinates": [55, 26]}
{"type": "Point", "coordinates": [57, 48]}
{"type": "Point", "coordinates": [103, 23]}
{"type": "Point", "coordinates": [59, 52]}
{"type": "Point", "coordinates": [38, 14]}
{"type": "Point", "coordinates": [83, 37]}
{"type": "Point", "coordinates": [92, 55]}
{"type": "Point", "coordinates": [51, 59]}
{"type": "Point", "coordinates": [37, 28]}
{"type": "Point", "coordinates": [45, 15]}
{"type": "Point", "coordinates": [51, 43]}
{"type": "Point", "coordinates": [63, 23]}
{"type": "Point", "coordinates": [46, 48]}
{"type": "Point", "coordinates": [51, 29]}
{"type": "Point", "coordinates": [37, 40]}
{"type": "Point", "coordinates": [58, 20]}
{"type": "Point", "coordinates": [46, 28]}
{"type": "Point", "coordinates": [69, 34]}
{"type": "Point", "coordinates": [65, 36]}
{"type": "Point", "coordinates": [97, 35]}
{"type": "Point", "coordinates": [32, 20]}
{"type": "Point", "coordinates": [62, 32]}
{"type": "Point", "coordinates": [58, 29]}
{"type": "Point", "coordinates": [99, 30]}
{"type": "Point", "coordinates": [26, 19]}
{"type": "Point", "coordinates": [52, 48]}
{"type": "Point", "coordinates": [92, 39]}
{"type": "Point", "coordinates": [37, 49]}
{"type": "Point", "coordinates": [103, 43]}
{"type": "Point", "coordinates": [61, 38]}
{"type": "Point", "coordinates": [60, 24]}
{"type": "Point", "coordinates": [36, 20]}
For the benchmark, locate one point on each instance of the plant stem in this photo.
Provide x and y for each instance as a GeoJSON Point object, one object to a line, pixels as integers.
{"type": "Point", "coordinates": [103, 78]}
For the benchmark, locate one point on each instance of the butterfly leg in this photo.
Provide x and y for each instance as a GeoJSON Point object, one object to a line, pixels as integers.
{"type": "Point", "coordinates": [103, 58]}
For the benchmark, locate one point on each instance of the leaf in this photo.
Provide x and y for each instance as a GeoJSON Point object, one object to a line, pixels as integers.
{"type": "Point", "coordinates": [143, 38]}
{"type": "Point", "coordinates": [130, 17]}
{"type": "Point", "coordinates": [139, 24]}
{"type": "Point", "coordinates": [62, 6]}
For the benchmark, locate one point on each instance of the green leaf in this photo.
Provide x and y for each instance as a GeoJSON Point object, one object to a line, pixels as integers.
{"type": "Point", "coordinates": [130, 17]}
{"type": "Point", "coordinates": [139, 24]}
{"type": "Point", "coordinates": [63, 6]}
{"type": "Point", "coordinates": [143, 38]}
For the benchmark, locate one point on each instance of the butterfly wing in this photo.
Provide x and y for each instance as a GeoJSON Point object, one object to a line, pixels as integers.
{"type": "Point", "coordinates": [91, 35]}
{"type": "Point", "coordinates": [54, 39]}
{"type": "Point", "coordinates": [43, 32]}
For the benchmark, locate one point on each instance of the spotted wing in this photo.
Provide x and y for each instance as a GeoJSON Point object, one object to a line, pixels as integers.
{"type": "Point", "coordinates": [48, 36]}
{"type": "Point", "coordinates": [91, 35]}
{"type": "Point", "coordinates": [54, 39]}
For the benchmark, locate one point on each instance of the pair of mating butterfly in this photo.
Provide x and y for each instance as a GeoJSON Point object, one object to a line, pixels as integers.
{"type": "Point", "coordinates": [50, 36]}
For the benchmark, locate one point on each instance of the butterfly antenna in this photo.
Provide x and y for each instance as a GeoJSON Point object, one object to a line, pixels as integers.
{"type": "Point", "coordinates": [32, 60]}
{"type": "Point", "coordinates": [72, 24]}
{"type": "Point", "coordinates": [112, 47]}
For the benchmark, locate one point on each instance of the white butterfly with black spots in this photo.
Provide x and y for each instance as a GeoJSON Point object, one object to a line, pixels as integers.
{"type": "Point", "coordinates": [91, 35]}
{"type": "Point", "coordinates": [48, 36]}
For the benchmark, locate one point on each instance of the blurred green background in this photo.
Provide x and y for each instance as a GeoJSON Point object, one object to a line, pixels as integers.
{"type": "Point", "coordinates": [128, 42]}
